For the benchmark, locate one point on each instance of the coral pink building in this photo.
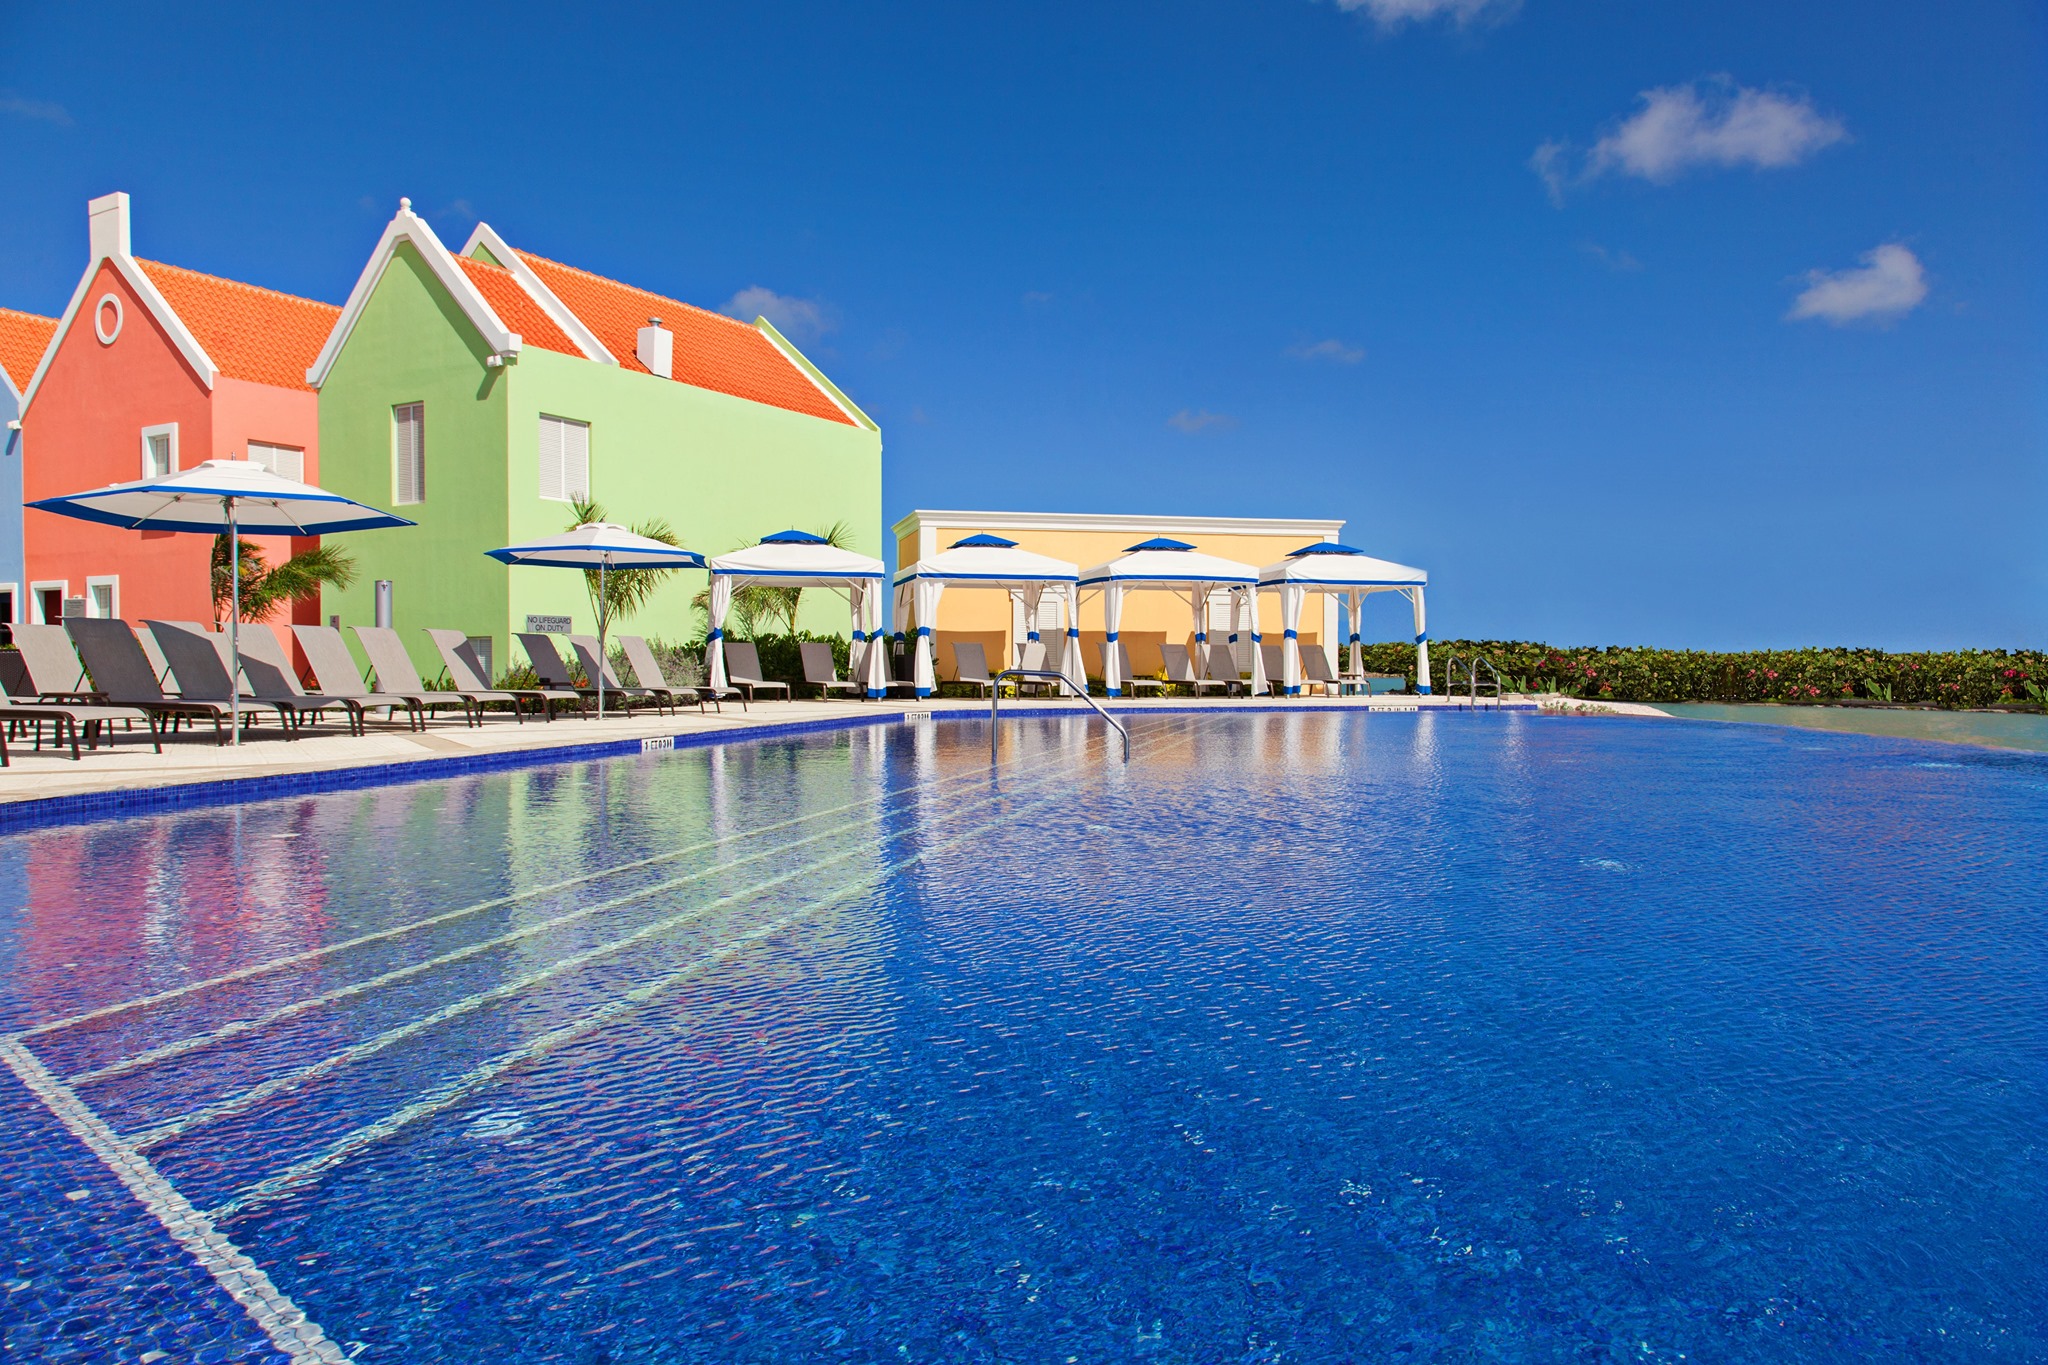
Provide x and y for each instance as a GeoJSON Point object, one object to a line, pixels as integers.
{"type": "Point", "coordinates": [155, 368]}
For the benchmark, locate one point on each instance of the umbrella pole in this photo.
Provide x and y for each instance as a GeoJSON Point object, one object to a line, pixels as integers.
{"type": "Point", "coordinates": [600, 636]}
{"type": "Point", "coordinates": [234, 623]}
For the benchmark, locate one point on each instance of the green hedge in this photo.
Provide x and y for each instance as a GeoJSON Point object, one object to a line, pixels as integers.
{"type": "Point", "coordinates": [1950, 678]}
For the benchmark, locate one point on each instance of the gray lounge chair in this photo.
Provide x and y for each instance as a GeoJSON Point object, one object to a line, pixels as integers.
{"type": "Point", "coordinates": [47, 657]}
{"type": "Point", "coordinates": [743, 670]}
{"type": "Point", "coordinates": [334, 668]}
{"type": "Point", "coordinates": [124, 676]}
{"type": "Point", "coordinates": [196, 663]}
{"type": "Point", "coordinates": [647, 671]}
{"type": "Point", "coordinates": [62, 719]}
{"type": "Point", "coordinates": [1221, 665]}
{"type": "Point", "coordinates": [396, 676]}
{"type": "Point", "coordinates": [466, 671]}
{"type": "Point", "coordinates": [548, 666]}
{"type": "Point", "coordinates": [1180, 669]}
{"type": "Point", "coordinates": [628, 696]}
{"type": "Point", "coordinates": [822, 671]}
{"type": "Point", "coordinates": [1316, 670]}
{"type": "Point", "coordinates": [270, 675]}
{"type": "Point", "coordinates": [1276, 667]}
{"type": "Point", "coordinates": [1132, 682]}
{"type": "Point", "coordinates": [970, 665]}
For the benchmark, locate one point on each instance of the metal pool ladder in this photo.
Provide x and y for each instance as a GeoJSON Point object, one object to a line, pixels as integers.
{"type": "Point", "coordinates": [995, 697]}
{"type": "Point", "coordinates": [1472, 683]}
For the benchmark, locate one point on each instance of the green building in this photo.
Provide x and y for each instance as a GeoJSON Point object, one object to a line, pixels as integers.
{"type": "Point", "coordinates": [477, 394]}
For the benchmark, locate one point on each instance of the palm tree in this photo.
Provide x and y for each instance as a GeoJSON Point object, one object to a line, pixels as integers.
{"type": "Point", "coordinates": [265, 587]}
{"type": "Point", "coordinates": [625, 590]}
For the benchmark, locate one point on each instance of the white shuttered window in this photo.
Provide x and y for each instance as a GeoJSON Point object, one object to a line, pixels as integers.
{"type": "Point", "coordinates": [409, 453]}
{"type": "Point", "coordinates": [287, 462]}
{"type": "Point", "coordinates": [564, 459]}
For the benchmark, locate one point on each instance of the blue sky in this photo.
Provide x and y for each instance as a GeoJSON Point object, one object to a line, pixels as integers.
{"type": "Point", "coordinates": [1633, 322]}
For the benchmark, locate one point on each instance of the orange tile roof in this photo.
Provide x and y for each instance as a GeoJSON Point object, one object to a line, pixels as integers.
{"type": "Point", "coordinates": [23, 339]}
{"type": "Point", "coordinates": [259, 335]}
{"type": "Point", "coordinates": [516, 308]}
{"type": "Point", "coordinates": [712, 351]}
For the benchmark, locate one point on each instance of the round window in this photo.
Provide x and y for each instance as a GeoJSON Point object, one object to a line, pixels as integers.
{"type": "Point", "coordinates": [106, 319]}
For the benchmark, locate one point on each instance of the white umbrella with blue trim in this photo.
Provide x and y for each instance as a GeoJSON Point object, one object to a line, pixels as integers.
{"type": "Point", "coordinates": [605, 547]}
{"type": "Point", "coordinates": [234, 498]}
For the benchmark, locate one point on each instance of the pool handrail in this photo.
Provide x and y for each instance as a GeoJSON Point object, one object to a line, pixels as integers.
{"type": "Point", "coordinates": [995, 698]}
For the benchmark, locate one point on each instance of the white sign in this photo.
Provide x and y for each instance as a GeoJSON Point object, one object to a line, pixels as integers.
{"type": "Point", "coordinates": [549, 625]}
{"type": "Point", "coordinates": [655, 746]}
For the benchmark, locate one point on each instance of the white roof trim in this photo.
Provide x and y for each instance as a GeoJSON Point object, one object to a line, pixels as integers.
{"type": "Point", "coordinates": [811, 372]}
{"type": "Point", "coordinates": [159, 308]}
{"type": "Point", "coordinates": [1143, 526]}
{"type": "Point", "coordinates": [586, 340]}
{"type": "Point", "coordinates": [407, 226]}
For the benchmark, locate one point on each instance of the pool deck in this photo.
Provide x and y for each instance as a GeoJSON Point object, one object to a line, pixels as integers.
{"type": "Point", "coordinates": [193, 758]}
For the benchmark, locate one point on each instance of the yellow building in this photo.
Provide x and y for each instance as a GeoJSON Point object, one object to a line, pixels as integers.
{"type": "Point", "coordinates": [1150, 618]}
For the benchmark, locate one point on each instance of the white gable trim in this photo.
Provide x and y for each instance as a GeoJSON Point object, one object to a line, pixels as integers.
{"type": "Point", "coordinates": [406, 226]}
{"type": "Point", "coordinates": [1317, 528]}
{"type": "Point", "coordinates": [814, 374]}
{"type": "Point", "coordinates": [159, 308]}
{"type": "Point", "coordinates": [586, 340]}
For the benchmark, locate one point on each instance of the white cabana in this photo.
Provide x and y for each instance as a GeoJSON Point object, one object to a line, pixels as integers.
{"type": "Point", "coordinates": [798, 559]}
{"type": "Point", "coordinates": [986, 561]}
{"type": "Point", "coordinates": [1332, 568]}
{"type": "Point", "coordinates": [1177, 567]}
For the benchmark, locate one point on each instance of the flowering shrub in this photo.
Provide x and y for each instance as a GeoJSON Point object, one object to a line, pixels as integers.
{"type": "Point", "coordinates": [1956, 678]}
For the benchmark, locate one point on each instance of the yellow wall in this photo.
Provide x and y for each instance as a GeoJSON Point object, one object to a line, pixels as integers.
{"type": "Point", "coordinates": [1150, 617]}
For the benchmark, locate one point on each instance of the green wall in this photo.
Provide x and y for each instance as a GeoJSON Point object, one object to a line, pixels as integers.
{"type": "Point", "coordinates": [412, 344]}
{"type": "Point", "coordinates": [722, 471]}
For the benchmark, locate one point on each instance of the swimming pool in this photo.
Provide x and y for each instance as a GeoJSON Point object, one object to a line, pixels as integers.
{"type": "Point", "coordinates": [1299, 1037]}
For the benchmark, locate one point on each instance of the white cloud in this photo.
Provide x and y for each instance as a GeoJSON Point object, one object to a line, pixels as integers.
{"type": "Point", "coordinates": [1331, 349]}
{"type": "Point", "coordinates": [797, 319]}
{"type": "Point", "coordinates": [43, 111]}
{"type": "Point", "coordinates": [1391, 14]}
{"type": "Point", "coordinates": [1192, 422]}
{"type": "Point", "coordinates": [1621, 262]}
{"type": "Point", "coordinates": [1681, 127]}
{"type": "Point", "coordinates": [1889, 284]}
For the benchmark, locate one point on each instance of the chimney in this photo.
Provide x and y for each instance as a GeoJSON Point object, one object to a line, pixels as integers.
{"type": "Point", "coordinates": [657, 349]}
{"type": "Point", "coordinates": [107, 224]}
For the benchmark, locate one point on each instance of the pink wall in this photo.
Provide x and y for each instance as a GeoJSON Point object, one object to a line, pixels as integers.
{"type": "Point", "coordinates": [85, 429]}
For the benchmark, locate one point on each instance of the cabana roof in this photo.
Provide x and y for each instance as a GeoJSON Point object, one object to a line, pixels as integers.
{"type": "Point", "coordinates": [1168, 562]}
{"type": "Point", "coordinates": [990, 562]}
{"type": "Point", "coordinates": [797, 559]}
{"type": "Point", "coordinates": [1330, 565]}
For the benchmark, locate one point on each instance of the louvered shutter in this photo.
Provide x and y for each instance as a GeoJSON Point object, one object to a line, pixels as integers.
{"type": "Point", "coordinates": [551, 460]}
{"type": "Point", "coordinates": [564, 459]}
{"type": "Point", "coordinates": [408, 453]}
{"type": "Point", "coordinates": [287, 462]}
{"type": "Point", "coordinates": [576, 460]}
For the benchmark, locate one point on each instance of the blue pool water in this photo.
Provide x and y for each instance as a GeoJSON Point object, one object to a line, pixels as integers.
{"type": "Point", "coordinates": [1299, 1038]}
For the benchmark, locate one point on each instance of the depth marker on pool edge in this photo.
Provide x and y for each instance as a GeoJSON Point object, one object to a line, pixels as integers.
{"type": "Point", "coordinates": [283, 1321]}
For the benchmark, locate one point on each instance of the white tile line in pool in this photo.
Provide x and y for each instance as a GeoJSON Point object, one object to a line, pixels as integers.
{"type": "Point", "coordinates": [283, 1321]}
{"type": "Point", "coordinates": [172, 1129]}
{"type": "Point", "coordinates": [454, 1092]}
{"type": "Point", "coordinates": [448, 916]}
{"type": "Point", "coordinates": [238, 1027]}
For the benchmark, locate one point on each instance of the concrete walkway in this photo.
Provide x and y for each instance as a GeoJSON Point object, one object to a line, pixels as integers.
{"type": "Point", "coordinates": [192, 756]}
